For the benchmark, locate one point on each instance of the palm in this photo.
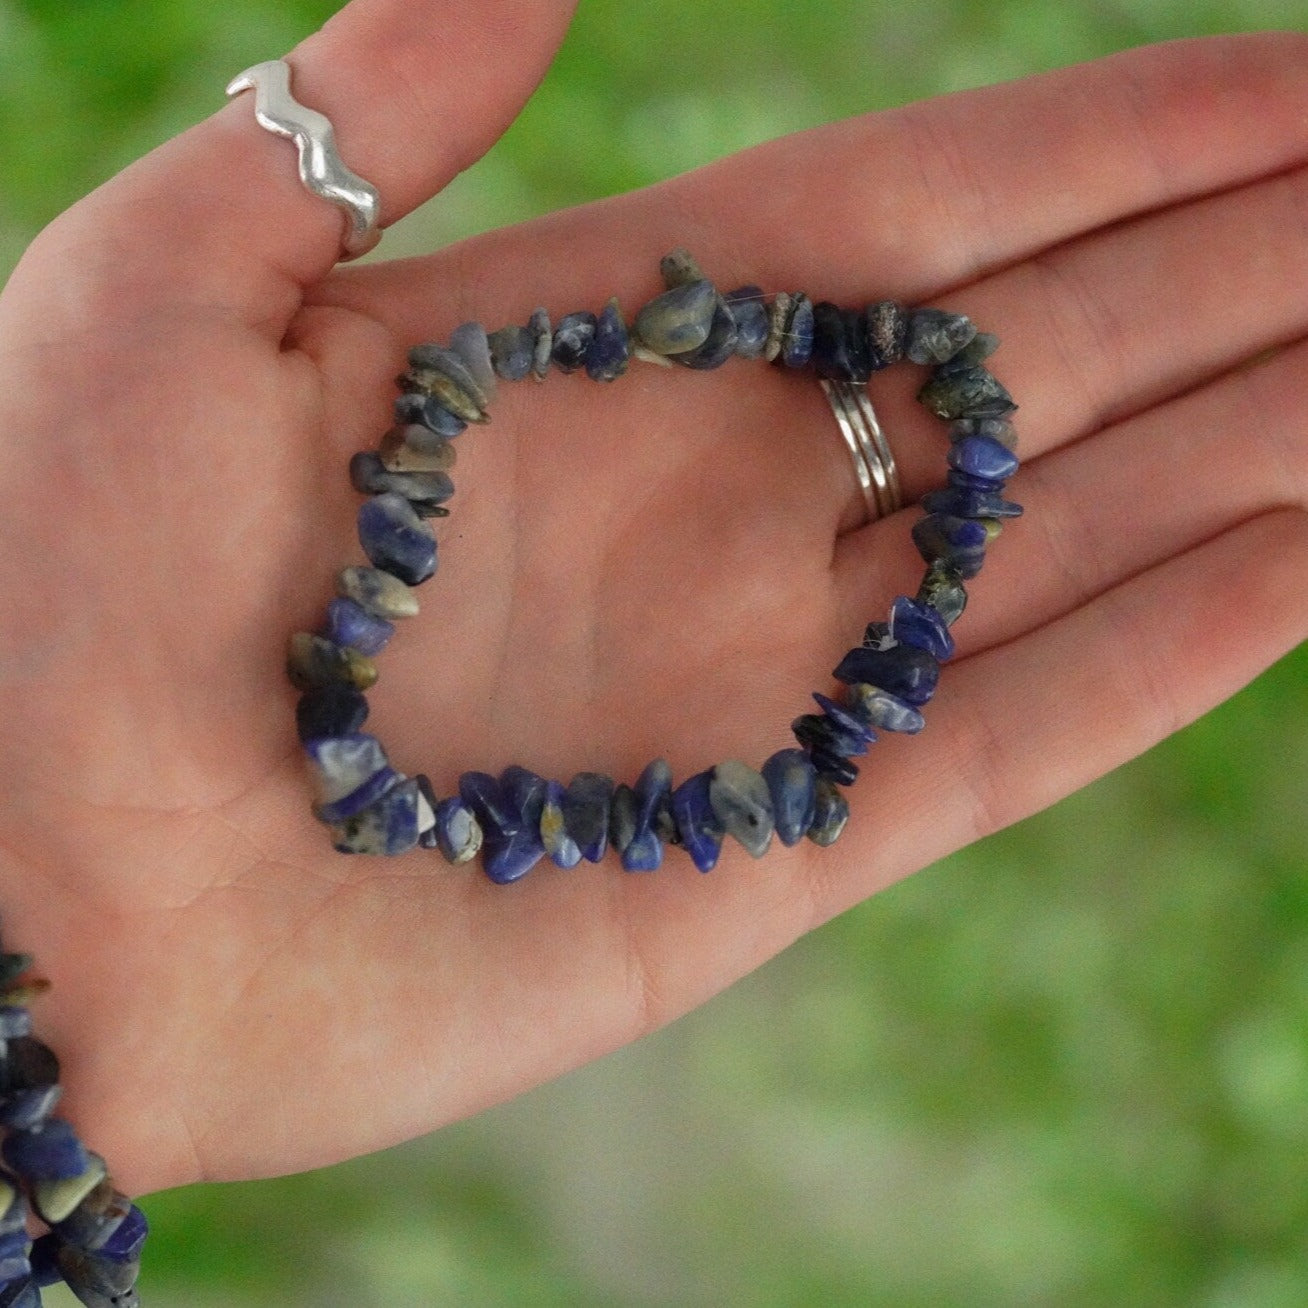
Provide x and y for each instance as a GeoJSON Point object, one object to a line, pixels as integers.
{"type": "Point", "coordinates": [649, 568]}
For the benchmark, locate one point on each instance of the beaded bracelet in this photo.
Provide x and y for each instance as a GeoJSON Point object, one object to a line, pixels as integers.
{"type": "Point", "coordinates": [96, 1233]}
{"type": "Point", "coordinates": [519, 817]}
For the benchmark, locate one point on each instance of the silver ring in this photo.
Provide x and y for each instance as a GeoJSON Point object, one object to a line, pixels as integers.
{"type": "Point", "coordinates": [321, 169]}
{"type": "Point", "coordinates": [874, 465]}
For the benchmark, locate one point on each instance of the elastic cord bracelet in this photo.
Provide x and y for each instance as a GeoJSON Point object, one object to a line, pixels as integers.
{"type": "Point", "coordinates": [95, 1232]}
{"type": "Point", "coordinates": [519, 817]}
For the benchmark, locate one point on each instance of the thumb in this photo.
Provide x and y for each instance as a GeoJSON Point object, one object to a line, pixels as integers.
{"type": "Point", "coordinates": [416, 91]}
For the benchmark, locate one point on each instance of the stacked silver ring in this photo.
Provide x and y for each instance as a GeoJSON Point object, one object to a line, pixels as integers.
{"type": "Point", "coordinates": [874, 465]}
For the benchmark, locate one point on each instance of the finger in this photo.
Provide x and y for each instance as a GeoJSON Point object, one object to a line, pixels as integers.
{"type": "Point", "coordinates": [1024, 724]}
{"type": "Point", "coordinates": [910, 201]}
{"type": "Point", "coordinates": [1099, 327]}
{"type": "Point", "coordinates": [1108, 508]}
{"type": "Point", "coordinates": [416, 91]}
{"type": "Point", "coordinates": [1144, 490]}
{"type": "Point", "coordinates": [1204, 114]}
{"type": "Point", "coordinates": [1120, 320]}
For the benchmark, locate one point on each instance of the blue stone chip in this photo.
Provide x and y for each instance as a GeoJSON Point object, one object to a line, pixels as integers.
{"type": "Point", "coordinates": [792, 783]}
{"type": "Point", "coordinates": [396, 539]}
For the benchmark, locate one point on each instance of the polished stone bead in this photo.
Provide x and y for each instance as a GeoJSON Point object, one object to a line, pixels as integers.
{"type": "Point", "coordinates": [678, 267]}
{"type": "Point", "coordinates": [961, 502]}
{"type": "Point", "coordinates": [445, 373]}
{"type": "Point", "coordinates": [942, 588]}
{"type": "Point", "coordinates": [880, 709]}
{"type": "Point", "coordinates": [698, 826]}
{"type": "Point", "coordinates": [44, 1257]}
{"type": "Point", "coordinates": [955, 480]}
{"type": "Point", "coordinates": [643, 852]}
{"type": "Point", "coordinates": [832, 766]}
{"type": "Point", "coordinates": [23, 1294]}
{"type": "Point", "coordinates": [525, 791]}
{"type": "Point", "coordinates": [14, 1268]}
{"type": "Point", "coordinates": [49, 1152]}
{"type": "Point", "coordinates": [935, 335]}
{"type": "Point", "coordinates": [125, 1243]}
{"type": "Point", "coordinates": [471, 343]}
{"type": "Point", "coordinates": [975, 352]}
{"type": "Point", "coordinates": [887, 333]}
{"type": "Point", "coordinates": [904, 670]}
{"type": "Point", "coordinates": [797, 335]}
{"type": "Point", "coordinates": [572, 340]}
{"type": "Point", "coordinates": [458, 833]}
{"type": "Point", "coordinates": [679, 319]}
{"type": "Point", "coordinates": [751, 317]}
{"type": "Point", "coordinates": [13, 1209]}
{"type": "Point", "coordinates": [512, 350]}
{"type": "Point", "coordinates": [509, 858]}
{"type": "Point", "coordinates": [367, 794]}
{"type": "Point", "coordinates": [877, 636]}
{"type": "Point", "coordinates": [917, 624]}
{"type": "Point", "coordinates": [340, 765]}
{"type": "Point", "coordinates": [623, 807]}
{"type": "Point", "coordinates": [848, 724]}
{"type": "Point", "coordinates": [777, 314]}
{"type": "Point", "coordinates": [542, 343]}
{"type": "Point", "coordinates": [420, 410]}
{"type": "Point", "coordinates": [395, 539]}
{"type": "Point", "coordinates": [559, 844]}
{"type": "Point", "coordinates": [510, 849]}
{"type": "Point", "coordinates": [830, 813]}
{"type": "Point", "coordinates": [960, 542]}
{"type": "Point", "coordinates": [350, 624]}
{"type": "Point", "coordinates": [664, 824]}
{"type": "Point", "coordinates": [792, 784]}
{"type": "Point", "coordinates": [55, 1200]}
{"type": "Point", "coordinates": [742, 803]}
{"type": "Point", "coordinates": [387, 826]}
{"type": "Point", "coordinates": [815, 731]}
{"type": "Point", "coordinates": [413, 435]}
{"type": "Point", "coordinates": [610, 350]}
{"type": "Point", "coordinates": [840, 344]}
{"type": "Point", "coordinates": [27, 1065]}
{"type": "Point", "coordinates": [415, 449]}
{"type": "Point", "coordinates": [982, 456]}
{"type": "Point", "coordinates": [97, 1218]}
{"type": "Point", "coordinates": [14, 1022]}
{"type": "Point", "coordinates": [12, 966]}
{"type": "Point", "coordinates": [98, 1280]}
{"type": "Point", "coordinates": [998, 429]}
{"type": "Point", "coordinates": [383, 595]}
{"type": "Point", "coordinates": [718, 346]}
{"type": "Point", "coordinates": [966, 393]}
{"type": "Point", "coordinates": [447, 393]}
{"type": "Point", "coordinates": [24, 1109]}
{"type": "Point", "coordinates": [427, 802]}
{"type": "Point", "coordinates": [494, 811]}
{"type": "Point", "coordinates": [426, 492]}
{"type": "Point", "coordinates": [586, 813]}
{"type": "Point", "coordinates": [313, 661]}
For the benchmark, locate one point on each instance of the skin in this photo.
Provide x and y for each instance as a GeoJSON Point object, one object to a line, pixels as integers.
{"type": "Point", "coordinates": [665, 566]}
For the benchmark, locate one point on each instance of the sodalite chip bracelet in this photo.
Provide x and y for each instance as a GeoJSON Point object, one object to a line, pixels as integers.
{"type": "Point", "coordinates": [518, 818]}
{"type": "Point", "coordinates": [95, 1233]}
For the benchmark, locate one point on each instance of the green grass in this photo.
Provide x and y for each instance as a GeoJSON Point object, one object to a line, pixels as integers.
{"type": "Point", "coordinates": [1068, 1066]}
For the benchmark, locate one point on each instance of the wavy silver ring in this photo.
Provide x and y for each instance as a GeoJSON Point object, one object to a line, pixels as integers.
{"type": "Point", "coordinates": [321, 169]}
{"type": "Point", "coordinates": [874, 464]}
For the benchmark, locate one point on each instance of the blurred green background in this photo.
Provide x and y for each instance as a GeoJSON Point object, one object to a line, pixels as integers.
{"type": "Point", "coordinates": [1068, 1066]}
